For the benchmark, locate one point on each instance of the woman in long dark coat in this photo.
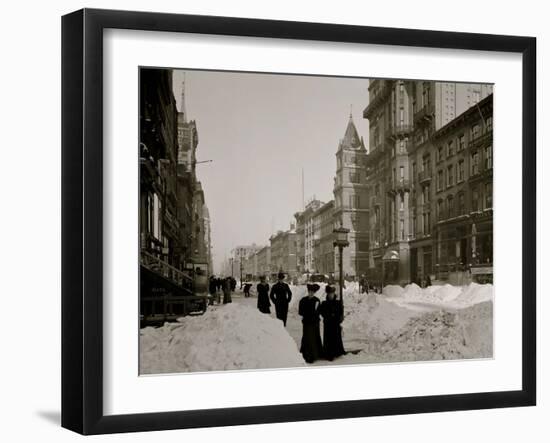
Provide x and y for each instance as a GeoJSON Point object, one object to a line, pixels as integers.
{"type": "Point", "coordinates": [333, 314]}
{"type": "Point", "coordinates": [311, 348]}
{"type": "Point", "coordinates": [264, 305]}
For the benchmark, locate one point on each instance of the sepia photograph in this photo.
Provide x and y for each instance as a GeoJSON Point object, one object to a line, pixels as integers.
{"type": "Point", "coordinates": [290, 221]}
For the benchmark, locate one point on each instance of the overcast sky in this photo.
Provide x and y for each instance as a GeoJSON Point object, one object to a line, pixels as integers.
{"type": "Point", "coordinates": [260, 130]}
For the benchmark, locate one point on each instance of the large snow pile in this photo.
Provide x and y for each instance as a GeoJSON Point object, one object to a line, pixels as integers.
{"type": "Point", "coordinates": [228, 337]}
{"type": "Point", "coordinates": [372, 316]}
{"type": "Point", "coordinates": [412, 323]}
{"type": "Point", "coordinates": [443, 335]}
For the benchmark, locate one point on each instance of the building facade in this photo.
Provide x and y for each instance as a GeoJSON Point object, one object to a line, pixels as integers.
{"type": "Point", "coordinates": [405, 173]}
{"type": "Point", "coordinates": [244, 261]}
{"type": "Point", "coordinates": [193, 216]}
{"type": "Point", "coordinates": [159, 227]}
{"type": "Point", "coordinates": [351, 200]}
{"type": "Point", "coordinates": [463, 200]}
{"type": "Point", "coordinates": [283, 246]}
{"type": "Point", "coordinates": [324, 244]}
{"type": "Point", "coordinates": [263, 260]}
{"type": "Point", "coordinates": [306, 235]}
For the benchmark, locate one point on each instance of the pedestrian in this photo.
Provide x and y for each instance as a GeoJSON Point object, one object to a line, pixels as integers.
{"type": "Point", "coordinates": [428, 280]}
{"type": "Point", "coordinates": [233, 283]}
{"type": "Point", "coordinates": [280, 296]}
{"type": "Point", "coordinates": [227, 291]}
{"type": "Point", "coordinates": [246, 289]}
{"type": "Point", "coordinates": [311, 346]}
{"type": "Point", "coordinates": [333, 315]}
{"type": "Point", "coordinates": [212, 289]}
{"type": "Point", "coordinates": [264, 305]}
{"type": "Point", "coordinates": [362, 284]}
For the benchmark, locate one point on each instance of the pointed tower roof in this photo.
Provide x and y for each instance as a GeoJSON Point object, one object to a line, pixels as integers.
{"type": "Point", "coordinates": [351, 138]}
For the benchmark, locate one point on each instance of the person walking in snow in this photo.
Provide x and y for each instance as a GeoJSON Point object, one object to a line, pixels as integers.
{"type": "Point", "coordinates": [246, 289]}
{"type": "Point", "coordinates": [264, 305]}
{"type": "Point", "coordinates": [281, 295]}
{"type": "Point", "coordinates": [363, 287]}
{"type": "Point", "coordinates": [212, 289]}
{"type": "Point", "coordinates": [227, 291]}
{"type": "Point", "coordinates": [311, 346]}
{"type": "Point", "coordinates": [333, 315]}
{"type": "Point", "coordinates": [428, 281]}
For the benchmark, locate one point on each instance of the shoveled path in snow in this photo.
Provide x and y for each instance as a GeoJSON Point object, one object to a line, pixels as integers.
{"type": "Point", "coordinates": [294, 328]}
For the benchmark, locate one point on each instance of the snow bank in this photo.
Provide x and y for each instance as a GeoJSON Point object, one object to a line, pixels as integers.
{"type": "Point", "coordinates": [393, 291]}
{"type": "Point", "coordinates": [372, 316]}
{"type": "Point", "coordinates": [228, 337]}
{"type": "Point", "coordinates": [415, 324]}
{"type": "Point", "coordinates": [443, 335]}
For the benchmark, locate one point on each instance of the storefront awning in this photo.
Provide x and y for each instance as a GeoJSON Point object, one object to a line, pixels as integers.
{"type": "Point", "coordinates": [391, 255]}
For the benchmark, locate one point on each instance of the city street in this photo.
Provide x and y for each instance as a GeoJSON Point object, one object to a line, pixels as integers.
{"type": "Point", "coordinates": [353, 345]}
{"type": "Point", "coordinates": [441, 322]}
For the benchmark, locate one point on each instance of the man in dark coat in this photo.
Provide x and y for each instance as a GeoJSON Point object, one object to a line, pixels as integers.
{"type": "Point", "coordinates": [311, 346]}
{"type": "Point", "coordinates": [264, 304]}
{"type": "Point", "coordinates": [280, 296]}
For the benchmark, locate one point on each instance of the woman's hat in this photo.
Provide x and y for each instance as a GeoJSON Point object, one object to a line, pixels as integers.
{"type": "Point", "coordinates": [281, 275]}
{"type": "Point", "coordinates": [330, 289]}
{"type": "Point", "coordinates": [314, 287]}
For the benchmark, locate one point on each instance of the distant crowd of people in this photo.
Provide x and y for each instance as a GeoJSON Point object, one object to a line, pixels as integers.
{"type": "Point", "coordinates": [218, 286]}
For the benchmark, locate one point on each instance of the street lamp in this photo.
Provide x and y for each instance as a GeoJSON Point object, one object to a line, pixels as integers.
{"type": "Point", "coordinates": [341, 240]}
{"type": "Point", "coordinates": [241, 265]}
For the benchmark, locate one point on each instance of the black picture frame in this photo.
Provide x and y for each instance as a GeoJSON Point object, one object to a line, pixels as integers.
{"type": "Point", "coordinates": [82, 218]}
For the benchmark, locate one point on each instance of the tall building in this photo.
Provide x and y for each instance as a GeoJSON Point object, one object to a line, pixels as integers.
{"type": "Point", "coordinates": [193, 215]}
{"type": "Point", "coordinates": [159, 228]}
{"type": "Point", "coordinates": [306, 234]}
{"type": "Point", "coordinates": [463, 200]}
{"type": "Point", "coordinates": [207, 237]}
{"type": "Point", "coordinates": [263, 260]}
{"type": "Point", "coordinates": [199, 242]}
{"type": "Point", "coordinates": [187, 186]}
{"type": "Point", "coordinates": [404, 118]}
{"type": "Point", "coordinates": [324, 243]}
{"type": "Point", "coordinates": [350, 200]}
{"type": "Point", "coordinates": [390, 129]}
{"type": "Point", "coordinates": [283, 246]}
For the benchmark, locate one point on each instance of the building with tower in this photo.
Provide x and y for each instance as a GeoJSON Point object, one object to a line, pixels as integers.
{"type": "Point", "coordinates": [193, 215]}
{"type": "Point", "coordinates": [351, 200]}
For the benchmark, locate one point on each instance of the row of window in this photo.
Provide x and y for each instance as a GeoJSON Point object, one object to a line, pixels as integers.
{"type": "Point", "coordinates": [459, 144]}
{"type": "Point", "coordinates": [480, 198]}
{"type": "Point", "coordinates": [455, 173]}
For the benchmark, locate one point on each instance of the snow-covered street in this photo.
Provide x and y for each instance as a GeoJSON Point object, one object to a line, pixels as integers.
{"type": "Point", "coordinates": [402, 324]}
